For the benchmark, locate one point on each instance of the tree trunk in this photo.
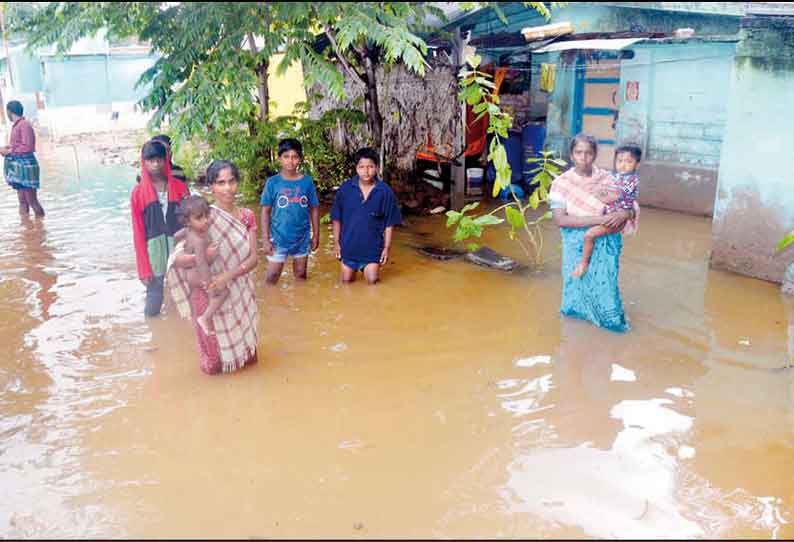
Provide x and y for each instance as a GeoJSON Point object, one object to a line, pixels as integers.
{"type": "Point", "coordinates": [261, 75]}
{"type": "Point", "coordinates": [264, 95]}
{"type": "Point", "coordinates": [8, 59]}
{"type": "Point", "coordinates": [374, 118]}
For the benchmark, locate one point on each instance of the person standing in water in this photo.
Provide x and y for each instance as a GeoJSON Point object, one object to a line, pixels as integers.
{"type": "Point", "coordinates": [21, 167]}
{"type": "Point", "coordinates": [364, 214]}
{"type": "Point", "coordinates": [290, 215]}
{"type": "Point", "coordinates": [153, 206]}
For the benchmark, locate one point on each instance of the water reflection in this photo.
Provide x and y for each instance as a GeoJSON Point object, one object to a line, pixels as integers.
{"type": "Point", "coordinates": [35, 249]}
{"type": "Point", "coordinates": [451, 393]}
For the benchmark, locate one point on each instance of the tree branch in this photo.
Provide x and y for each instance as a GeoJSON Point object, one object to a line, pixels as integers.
{"type": "Point", "coordinates": [353, 73]}
{"type": "Point", "coordinates": [252, 43]}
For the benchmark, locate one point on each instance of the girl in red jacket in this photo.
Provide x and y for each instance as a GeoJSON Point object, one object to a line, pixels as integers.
{"type": "Point", "coordinates": [153, 206]}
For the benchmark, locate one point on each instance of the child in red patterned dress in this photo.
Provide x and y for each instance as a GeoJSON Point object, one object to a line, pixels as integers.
{"type": "Point", "coordinates": [620, 193]}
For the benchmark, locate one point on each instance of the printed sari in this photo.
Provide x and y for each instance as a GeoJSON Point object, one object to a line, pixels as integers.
{"type": "Point", "coordinates": [594, 296]}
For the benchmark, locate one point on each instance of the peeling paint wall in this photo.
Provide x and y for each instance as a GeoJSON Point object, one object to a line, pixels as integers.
{"type": "Point", "coordinates": [754, 207]}
{"type": "Point", "coordinates": [679, 116]}
{"type": "Point", "coordinates": [678, 119]}
{"type": "Point", "coordinates": [605, 17]}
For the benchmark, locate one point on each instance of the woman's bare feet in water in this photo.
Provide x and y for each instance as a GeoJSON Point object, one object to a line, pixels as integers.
{"type": "Point", "coordinates": [204, 325]}
{"type": "Point", "coordinates": [580, 270]}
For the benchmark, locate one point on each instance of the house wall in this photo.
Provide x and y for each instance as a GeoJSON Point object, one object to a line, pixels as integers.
{"type": "Point", "coordinates": [26, 75]}
{"type": "Point", "coordinates": [679, 120]}
{"type": "Point", "coordinates": [680, 115]}
{"type": "Point", "coordinates": [82, 93]}
{"type": "Point", "coordinates": [604, 17]}
{"type": "Point", "coordinates": [755, 204]}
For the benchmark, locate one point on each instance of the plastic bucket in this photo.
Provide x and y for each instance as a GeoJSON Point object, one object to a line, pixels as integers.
{"type": "Point", "coordinates": [474, 177]}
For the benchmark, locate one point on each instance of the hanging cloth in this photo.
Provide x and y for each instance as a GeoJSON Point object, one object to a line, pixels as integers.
{"type": "Point", "coordinates": [548, 77]}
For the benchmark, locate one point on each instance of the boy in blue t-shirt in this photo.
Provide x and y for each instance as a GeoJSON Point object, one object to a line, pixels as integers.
{"type": "Point", "coordinates": [290, 214]}
{"type": "Point", "coordinates": [364, 214]}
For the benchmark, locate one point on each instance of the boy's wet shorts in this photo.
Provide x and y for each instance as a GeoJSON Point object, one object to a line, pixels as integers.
{"type": "Point", "coordinates": [357, 265]}
{"type": "Point", "coordinates": [299, 250]}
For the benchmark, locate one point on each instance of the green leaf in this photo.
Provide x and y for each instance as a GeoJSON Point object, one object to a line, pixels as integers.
{"type": "Point", "coordinates": [474, 61]}
{"type": "Point", "coordinates": [472, 247]}
{"type": "Point", "coordinates": [500, 14]}
{"type": "Point", "coordinates": [453, 217]}
{"type": "Point", "coordinates": [488, 220]}
{"type": "Point", "coordinates": [534, 200]}
{"type": "Point", "coordinates": [514, 217]}
{"type": "Point", "coordinates": [469, 207]}
{"type": "Point", "coordinates": [460, 234]}
{"type": "Point", "coordinates": [786, 241]}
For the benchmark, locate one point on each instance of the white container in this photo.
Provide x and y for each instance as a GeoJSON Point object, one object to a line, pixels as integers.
{"type": "Point", "coordinates": [474, 178]}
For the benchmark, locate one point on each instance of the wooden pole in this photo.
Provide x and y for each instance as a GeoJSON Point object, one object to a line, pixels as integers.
{"type": "Point", "coordinates": [457, 197]}
{"type": "Point", "coordinates": [76, 162]}
{"type": "Point", "coordinates": [8, 59]}
{"type": "Point", "coordinates": [2, 107]}
{"type": "Point", "coordinates": [5, 40]}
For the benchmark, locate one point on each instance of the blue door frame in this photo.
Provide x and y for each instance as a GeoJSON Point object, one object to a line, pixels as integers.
{"type": "Point", "coordinates": [579, 110]}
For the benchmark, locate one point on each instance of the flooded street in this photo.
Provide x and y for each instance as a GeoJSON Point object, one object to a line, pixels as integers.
{"type": "Point", "coordinates": [449, 401]}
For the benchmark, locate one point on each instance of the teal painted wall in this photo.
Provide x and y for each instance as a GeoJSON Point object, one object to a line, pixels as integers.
{"type": "Point", "coordinates": [593, 17]}
{"type": "Point", "coordinates": [684, 90]}
{"type": "Point", "coordinates": [26, 71]}
{"type": "Point", "coordinates": [124, 73]}
{"type": "Point", "coordinates": [26, 75]}
{"type": "Point", "coordinates": [754, 206]}
{"type": "Point", "coordinates": [93, 79]}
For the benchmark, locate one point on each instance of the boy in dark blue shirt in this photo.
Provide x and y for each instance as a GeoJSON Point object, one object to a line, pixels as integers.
{"type": "Point", "coordinates": [290, 215]}
{"type": "Point", "coordinates": [364, 214]}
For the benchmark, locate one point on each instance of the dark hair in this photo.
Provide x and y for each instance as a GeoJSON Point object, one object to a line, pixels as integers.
{"type": "Point", "coordinates": [15, 107]}
{"type": "Point", "coordinates": [584, 138]}
{"type": "Point", "coordinates": [217, 166]}
{"type": "Point", "coordinates": [290, 144]}
{"type": "Point", "coordinates": [163, 138]}
{"type": "Point", "coordinates": [154, 149]}
{"type": "Point", "coordinates": [191, 206]}
{"type": "Point", "coordinates": [366, 152]}
{"type": "Point", "coordinates": [630, 148]}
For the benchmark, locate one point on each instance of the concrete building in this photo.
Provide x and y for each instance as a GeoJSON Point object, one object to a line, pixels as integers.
{"type": "Point", "coordinates": [755, 198]}
{"type": "Point", "coordinates": [704, 88]}
{"type": "Point", "coordinates": [92, 88]}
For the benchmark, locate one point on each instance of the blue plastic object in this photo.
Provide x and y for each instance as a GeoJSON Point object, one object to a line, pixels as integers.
{"type": "Point", "coordinates": [533, 135]}
{"type": "Point", "coordinates": [517, 189]}
{"type": "Point", "coordinates": [515, 157]}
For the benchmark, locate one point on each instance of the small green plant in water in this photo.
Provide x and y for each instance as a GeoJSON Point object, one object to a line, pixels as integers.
{"type": "Point", "coordinates": [786, 241]}
{"type": "Point", "coordinates": [523, 229]}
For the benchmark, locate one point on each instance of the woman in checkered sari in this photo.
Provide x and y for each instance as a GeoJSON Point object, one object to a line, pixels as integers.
{"type": "Point", "coordinates": [594, 296]}
{"type": "Point", "coordinates": [233, 230]}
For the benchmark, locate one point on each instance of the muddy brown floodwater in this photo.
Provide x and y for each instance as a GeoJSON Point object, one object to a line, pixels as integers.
{"type": "Point", "coordinates": [449, 401]}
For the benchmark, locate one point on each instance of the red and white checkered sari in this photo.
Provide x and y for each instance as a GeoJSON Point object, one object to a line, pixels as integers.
{"type": "Point", "coordinates": [236, 322]}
